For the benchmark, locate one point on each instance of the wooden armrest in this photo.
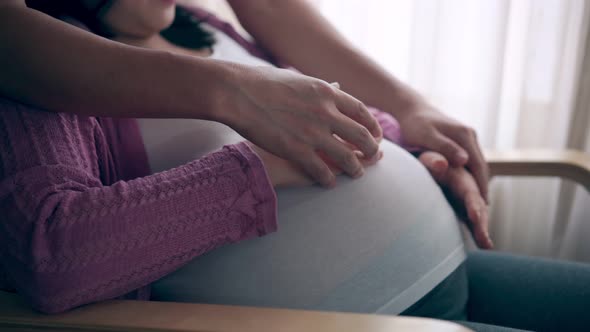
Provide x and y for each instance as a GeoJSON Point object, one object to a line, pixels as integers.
{"type": "Point", "coordinates": [570, 164]}
{"type": "Point", "coordinates": [15, 315]}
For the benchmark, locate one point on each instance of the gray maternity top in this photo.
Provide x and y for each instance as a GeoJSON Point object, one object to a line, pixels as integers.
{"type": "Point", "coordinates": [373, 245]}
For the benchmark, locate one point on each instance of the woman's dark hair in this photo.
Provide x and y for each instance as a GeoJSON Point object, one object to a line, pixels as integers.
{"type": "Point", "coordinates": [185, 31]}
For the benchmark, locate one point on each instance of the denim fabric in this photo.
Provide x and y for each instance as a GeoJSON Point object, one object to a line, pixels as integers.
{"type": "Point", "coordinates": [504, 290]}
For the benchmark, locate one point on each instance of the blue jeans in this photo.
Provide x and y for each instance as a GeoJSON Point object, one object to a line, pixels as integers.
{"type": "Point", "coordinates": [494, 291]}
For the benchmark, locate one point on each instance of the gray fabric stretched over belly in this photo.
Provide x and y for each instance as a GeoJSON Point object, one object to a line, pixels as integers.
{"type": "Point", "coordinates": [376, 244]}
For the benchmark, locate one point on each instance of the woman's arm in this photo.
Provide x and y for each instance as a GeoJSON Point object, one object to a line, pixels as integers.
{"type": "Point", "coordinates": [68, 237]}
{"type": "Point", "coordinates": [297, 34]}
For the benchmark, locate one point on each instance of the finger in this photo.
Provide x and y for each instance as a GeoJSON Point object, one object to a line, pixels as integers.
{"type": "Point", "coordinates": [476, 162]}
{"type": "Point", "coordinates": [369, 162]}
{"type": "Point", "coordinates": [436, 164]}
{"type": "Point", "coordinates": [343, 157]}
{"type": "Point", "coordinates": [480, 169]}
{"type": "Point", "coordinates": [354, 133]}
{"type": "Point", "coordinates": [448, 148]}
{"type": "Point", "coordinates": [365, 162]}
{"type": "Point", "coordinates": [356, 110]}
{"type": "Point", "coordinates": [464, 188]}
{"type": "Point", "coordinates": [360, 155]}
{"type": "Point", "coordinates": [313, 165]}
{"type": "Point", "coordinates": [478, 218]}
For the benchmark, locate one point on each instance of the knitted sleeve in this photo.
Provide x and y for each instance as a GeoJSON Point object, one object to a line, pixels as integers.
{"type": "Point", "coordinates": [68, 239]}
{"type": "Point", "coordinates": [392, 130]}
{"type": "Point", "coordinates": [389, 125]}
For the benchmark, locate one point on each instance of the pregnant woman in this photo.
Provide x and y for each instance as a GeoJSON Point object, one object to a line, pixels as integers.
{"type": "Point", "coordinates": [86, 221]}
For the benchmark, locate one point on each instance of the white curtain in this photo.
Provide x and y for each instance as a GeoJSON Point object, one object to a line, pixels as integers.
{"type": "Point", "coordinates": [510, 69]}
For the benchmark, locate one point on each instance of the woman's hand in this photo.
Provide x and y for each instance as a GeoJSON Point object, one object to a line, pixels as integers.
{"type": "Point", "coordinates": [465, 194]}
{"type": "Point", "coordinates": [426, 127]}
{"type": "Point", "coordinates": [295, 117]}
{"type": "Point", "coordinates": [283, 173]}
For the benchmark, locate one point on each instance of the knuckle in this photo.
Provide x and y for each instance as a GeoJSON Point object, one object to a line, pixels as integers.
{"type": "Point", "coordinates": [323, 89]}
{"type": "Point", "coordinates": [448, 147]}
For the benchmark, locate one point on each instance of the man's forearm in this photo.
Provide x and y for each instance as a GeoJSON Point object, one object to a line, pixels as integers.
{"type": "Point", "coordinates": [296, 33]}
{"type": "Point", "coordinates": [53, 65]}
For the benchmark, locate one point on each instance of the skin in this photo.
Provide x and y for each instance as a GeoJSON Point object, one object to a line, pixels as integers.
{"type": "Point", "coordinates": [465, 195]}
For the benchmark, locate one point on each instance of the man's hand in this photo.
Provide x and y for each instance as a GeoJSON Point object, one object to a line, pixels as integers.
{"type": "Point", "coordinates": [465, 195]}
{"type": "Point", "coordinates": [296, 117]}
{"type": "Point", "coordinates": [428, 128]}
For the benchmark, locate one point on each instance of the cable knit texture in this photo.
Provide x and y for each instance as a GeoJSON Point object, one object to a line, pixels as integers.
{"type": "Point", "coordinates": [82, 221]}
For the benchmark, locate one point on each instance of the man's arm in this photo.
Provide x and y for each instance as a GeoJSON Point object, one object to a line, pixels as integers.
{"type": "Point", "coordinates": [51, 64]}
{"type": "Point", "coordinates": [296, 33]}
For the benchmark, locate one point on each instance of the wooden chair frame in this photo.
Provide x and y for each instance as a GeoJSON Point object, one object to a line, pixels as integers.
{"type": "Point", "coordinates": [15, 315]}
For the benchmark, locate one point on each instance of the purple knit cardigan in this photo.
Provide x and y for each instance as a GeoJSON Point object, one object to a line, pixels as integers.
{"type": "Point", "coordinates": [83, 220]}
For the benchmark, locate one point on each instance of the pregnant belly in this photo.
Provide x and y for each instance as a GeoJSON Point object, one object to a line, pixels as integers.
{"type": "Point", "coordinates": [376, 244]}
